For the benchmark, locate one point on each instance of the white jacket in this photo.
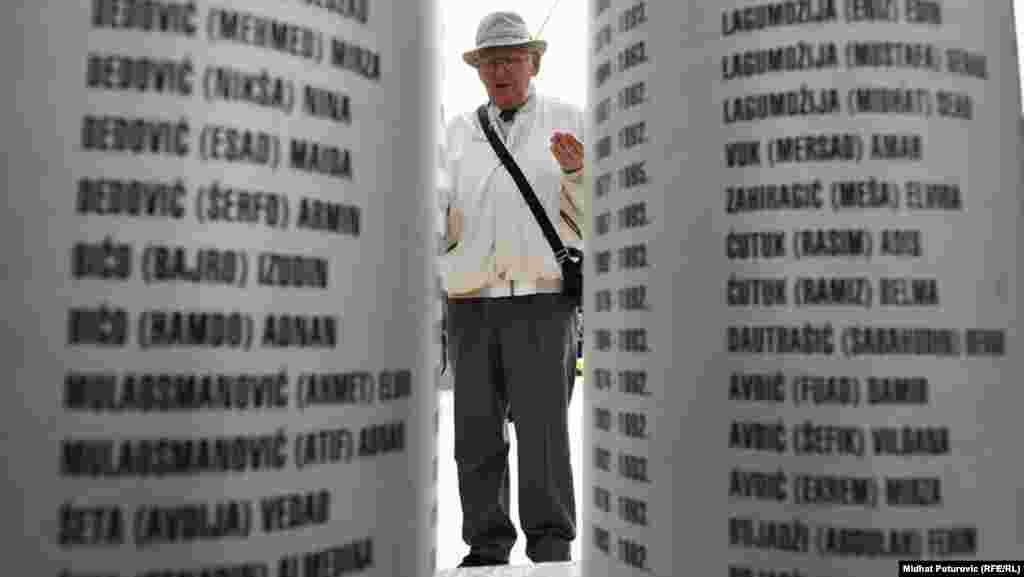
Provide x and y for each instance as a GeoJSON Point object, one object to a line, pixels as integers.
{"type": "Point", "coordinates": [491, 235]}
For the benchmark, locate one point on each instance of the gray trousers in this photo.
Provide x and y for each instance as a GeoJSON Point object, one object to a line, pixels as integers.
{"type": "Point", "coordinates": [514, 358]}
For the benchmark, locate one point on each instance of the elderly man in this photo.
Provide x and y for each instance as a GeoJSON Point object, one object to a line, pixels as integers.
{"type": "Point", "coordinates": [512, 339]}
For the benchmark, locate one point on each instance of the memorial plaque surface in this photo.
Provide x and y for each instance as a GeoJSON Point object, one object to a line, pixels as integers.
{"type": "Point", "coordinates": [805, 287]}
{"type": "Point", "coordinates": [218, 284]}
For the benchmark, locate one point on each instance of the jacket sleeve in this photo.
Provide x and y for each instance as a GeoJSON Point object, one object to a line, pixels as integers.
{"type": "Point", "coordinates": [572, 204]}
{"type": "Point", "coordinates": [449, 221]}
{"type": "Point", "coordinates": [573, 198]}
{"type": "Point", "coordinates": [444, 191]}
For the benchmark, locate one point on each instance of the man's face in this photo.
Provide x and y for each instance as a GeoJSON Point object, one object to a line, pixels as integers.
{"type": "Point", "coordinates": [506, 73]}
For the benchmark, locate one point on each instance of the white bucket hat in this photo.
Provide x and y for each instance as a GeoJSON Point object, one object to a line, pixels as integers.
{"type": "Point", "coordinates": [502, 29]}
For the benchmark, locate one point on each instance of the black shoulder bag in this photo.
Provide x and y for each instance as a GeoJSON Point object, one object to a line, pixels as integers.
{"type": "Point", "coordinates": [569, 258]}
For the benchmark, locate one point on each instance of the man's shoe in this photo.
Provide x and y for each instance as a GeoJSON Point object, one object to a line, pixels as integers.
{"type": "Point", "coordinates": [475, 560]}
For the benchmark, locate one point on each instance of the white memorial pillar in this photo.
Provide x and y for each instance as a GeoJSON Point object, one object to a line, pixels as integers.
{"type": "Point", "coordinates": [217, 279]}
{"type": "Point", "coordinates": [802, 287]}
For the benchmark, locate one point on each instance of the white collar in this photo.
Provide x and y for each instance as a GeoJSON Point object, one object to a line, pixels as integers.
{"type": "Point", "coordinates": [526, 108]}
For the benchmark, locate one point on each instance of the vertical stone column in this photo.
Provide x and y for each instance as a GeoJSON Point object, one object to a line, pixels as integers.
{"type": "Point", "coordinates": [217, 281]}
{"type": "Point", "coordinates": [804, 287]}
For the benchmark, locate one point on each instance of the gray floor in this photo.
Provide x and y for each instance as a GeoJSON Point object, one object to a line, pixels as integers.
{"type": "Point", "coordinates": [450, 547]}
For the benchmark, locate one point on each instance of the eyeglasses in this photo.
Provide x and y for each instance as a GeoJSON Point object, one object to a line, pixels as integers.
{"type": "Point", "coordinates": [506, 62]}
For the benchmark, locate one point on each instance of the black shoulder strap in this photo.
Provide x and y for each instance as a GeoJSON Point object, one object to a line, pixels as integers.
{"type": "Point", "coordinates": [524, 186]}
